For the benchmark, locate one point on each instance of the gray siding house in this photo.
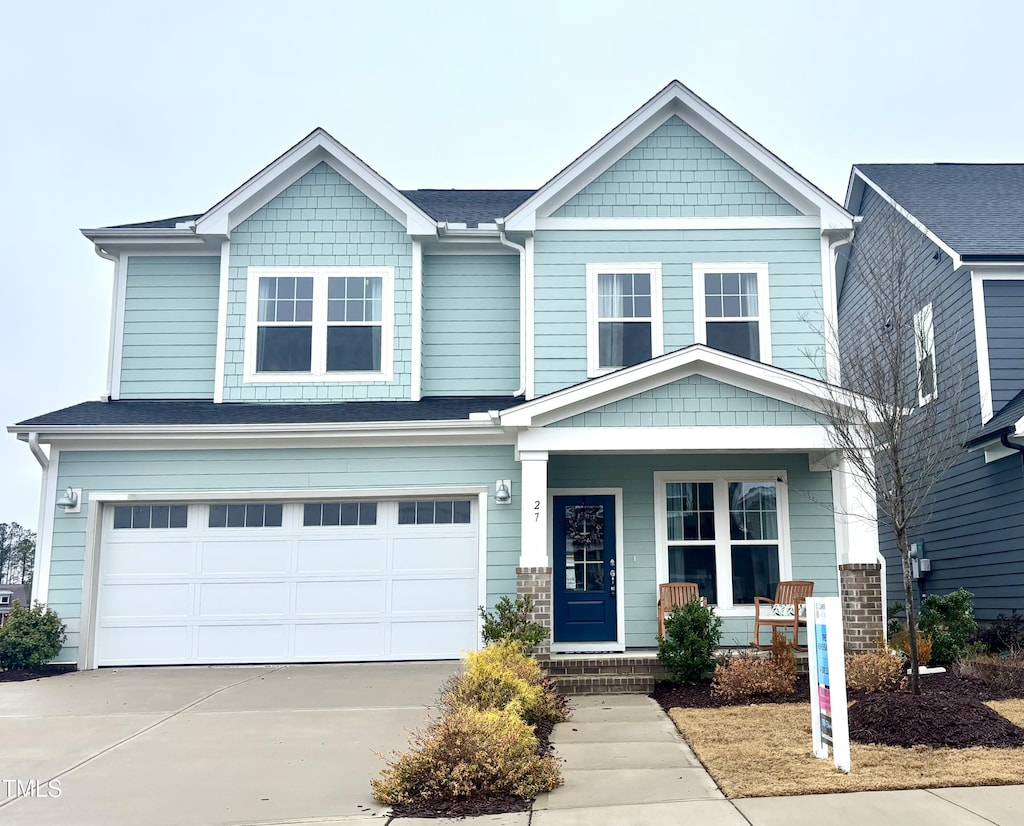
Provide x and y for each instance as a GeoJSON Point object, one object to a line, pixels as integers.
{"type": "Point", "coordinates": [341, 416]}
{"type": "Point", "coordinates": [968, 262]}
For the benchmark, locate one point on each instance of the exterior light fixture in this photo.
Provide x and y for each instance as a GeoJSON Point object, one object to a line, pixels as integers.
{"type": "Point", "coordinates": [71, 501]}
{"type": "Point", "coordinates": [503, 492]}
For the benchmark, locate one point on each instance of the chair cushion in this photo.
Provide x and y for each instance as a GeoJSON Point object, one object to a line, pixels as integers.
{"type": "Point", "coordinates": [782, 609]}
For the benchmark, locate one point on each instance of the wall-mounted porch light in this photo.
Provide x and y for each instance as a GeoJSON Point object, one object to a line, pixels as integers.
{"type": "Point", "coordinates": [503, 492]}
{"type": "Point", "coordinates": [71, 501]}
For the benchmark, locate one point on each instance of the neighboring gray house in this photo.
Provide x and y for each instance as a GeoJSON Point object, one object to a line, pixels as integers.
{"type": "Point", "coordinates": [970, 266]}
{"type": "Point", "coordinates": [9, 594]}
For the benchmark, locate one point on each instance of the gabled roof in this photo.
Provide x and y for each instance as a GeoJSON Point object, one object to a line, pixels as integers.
{"type": "Point", "coordinates": [677, 99]}
{"type": "Point", "coordinates": [973, 211]}
{"type": "Point", "coordinates": [1008, 421]}
{"type": "Point", "coordinates": [696, 359]}
{"type": "Point", "coordinates": [471, 207]}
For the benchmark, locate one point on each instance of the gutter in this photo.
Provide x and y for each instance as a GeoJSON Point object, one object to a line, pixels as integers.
{"type": "Point", "coordinates": [37, 451]}
{"type": "Point", "coordinates": [1004, 440]}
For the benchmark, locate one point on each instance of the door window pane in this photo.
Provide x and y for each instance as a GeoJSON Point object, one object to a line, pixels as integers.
{"type": "Point", "coordinates": [584, 548]}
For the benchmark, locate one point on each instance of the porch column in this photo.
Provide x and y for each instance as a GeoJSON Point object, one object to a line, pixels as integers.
{"type": "Point", "coordinates": [861, 574]}
{"type": "Point", "coordinates": [533, 576]}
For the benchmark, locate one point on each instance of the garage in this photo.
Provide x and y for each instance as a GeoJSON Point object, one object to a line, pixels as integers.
{"type": "Point", "coordinates": [292, 581]}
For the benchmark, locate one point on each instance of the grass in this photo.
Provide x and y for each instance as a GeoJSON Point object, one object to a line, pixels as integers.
{"type": "Point", "coordinates": [765, 750]}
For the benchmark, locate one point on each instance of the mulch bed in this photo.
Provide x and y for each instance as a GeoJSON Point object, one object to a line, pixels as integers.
{"type": "Point", "coordinates": [19, 675]}
{"type": "Point", "coordinates": [950, 711]}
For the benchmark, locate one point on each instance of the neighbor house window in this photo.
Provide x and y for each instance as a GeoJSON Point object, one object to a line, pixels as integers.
{"type": "Point", "coordinates": [731, 309]}
{"type": "Point", "coordinates": [924, 352]}
{"type": "Point", "coordinates": [322, 323]}
{"type": "Point", "coordinates": [624, 315]}
{"type": "Point", "coordinates": [724, 532]}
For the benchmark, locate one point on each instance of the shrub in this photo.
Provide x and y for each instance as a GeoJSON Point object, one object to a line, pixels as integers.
{"type": "Point", "coordinates": [501, 677]}
{"type": "Point", "coordinates": [783, 654]}
{"type": "Point", "coordinates": [901, 642]}
{"type": "Point", "coordinates": [995, 672]}
{"type": "Point", "coordinates": [30, 637]}
{"type": "Point", "coordinates": [745, 676]}
{"type": "Point", "coordinates": [1004, 633]}
{"type": "Point", "coordinates": [692, 633]}
{"type": "Point", "coordinates": [468, 753]}
{"type": "Point", "coordinates": [878, 670]}
{"type": "Point", "coordinates": [511, 621]}
{"type": "Point", "coordinates": [949, 620]}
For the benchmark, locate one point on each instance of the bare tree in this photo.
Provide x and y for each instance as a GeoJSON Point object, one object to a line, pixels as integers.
{"type": "Point", "coordinates": [904, 430]}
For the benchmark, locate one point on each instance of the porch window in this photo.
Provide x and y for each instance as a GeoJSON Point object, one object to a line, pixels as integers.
{"type": "Point", "coordinates": [624, 315]}
{"type": "Point", "coordinates": [726, 533]}
{"type": "Point", "coordinates": [731, 309]}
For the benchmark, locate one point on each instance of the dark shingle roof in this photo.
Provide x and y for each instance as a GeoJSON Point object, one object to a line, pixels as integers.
{"type": "Point", "coordinates": [163, 223]}
{"type": "Point", "coordinates": [977, 209]}
{"type": "Point", "coordinates": [467, 206]}
{"type": "Point", "coordinates": [141, 413]}
{"type": "Point", "coordinates": [1002, 422]}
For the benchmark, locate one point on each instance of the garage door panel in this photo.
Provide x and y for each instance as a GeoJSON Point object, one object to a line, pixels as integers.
{"type": "Point", "coordinates": [155, 644]}
{"type": "Point", "coordinates": [343, 641]}
{"type": "Point", "coordinates": [435, 553]}
{"type": "Point", "coordinates": [147, 601]}
{"type": "Point", "coordinates": [432, 638]}
{"type": "Point", "coordinates": [142, 558]}
{"type": "Point", "coordinates": [243, 643]}
{"type": "Point", "coordinates": [341, 598]}
{"type": "Point", "coordinates": [415, 595]}
{"type": "Point", "coordinates": [248, 555]}
{"type": "Point", "coordinates": [231, 599]}
{"type": "Point", "coordinates": [349, 554]}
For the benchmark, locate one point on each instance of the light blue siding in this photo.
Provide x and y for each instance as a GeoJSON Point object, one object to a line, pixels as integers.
{"type": "Point", "coordinates": [695, 400]}
{"type": "Point", "coordinates": [470, 325]}
{"type": "Point", "coordinates": [320, 220]}
{"type": "Point", "coordinates": [169, 348]}
{"type": "Point", "coordinates": [1004, 321]}
{"type": "Point", "coordinates": [675, 172]}
{"type": "Point", "coordinates": [812, 529]}
{"type": "Point", "coordinates": [298, 469]}
{"type": "Point", "coordinates": [560, 302]}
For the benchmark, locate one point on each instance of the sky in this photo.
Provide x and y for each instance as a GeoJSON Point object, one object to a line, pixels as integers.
{"type": "Point", "coordinates": [123, 112]}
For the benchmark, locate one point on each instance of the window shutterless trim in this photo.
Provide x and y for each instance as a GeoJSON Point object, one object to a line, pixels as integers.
{"type": "Point", "coordinates": [700, 319]}
{"type": "Point", "coordinates": [594, 271]}
{"type": "Point", "coordinates": [924, 353]}
{"type": "Point", "coordinates": [318, 356]}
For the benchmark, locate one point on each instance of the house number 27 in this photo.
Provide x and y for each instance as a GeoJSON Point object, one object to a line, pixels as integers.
{"type": "Point", "coordinates": [536, 510]}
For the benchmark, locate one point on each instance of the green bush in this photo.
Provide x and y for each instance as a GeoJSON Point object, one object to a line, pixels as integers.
{"type": "Point", "coordinates": [999, 673]}
{"type": "Point", "coordinates": [468, 753]}
{"type": "Point", "coordinates": [746, 676]}
{"type": "Point", "coordinates": [1005, 634]}
{"type": "Point", "coordinates": [30, 637]}
{"type": "Point", "coordinates": [692, 633]}
{"type": "Point", "coordinates": [949, 621]}
{"type": "Point", "coordinates": [511, 621]}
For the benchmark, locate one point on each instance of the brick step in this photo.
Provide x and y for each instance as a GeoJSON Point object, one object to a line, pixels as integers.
{"type": "Point", "coordinates": [604, 684]}
{"type": "Point", "coordinates": [598, 667]}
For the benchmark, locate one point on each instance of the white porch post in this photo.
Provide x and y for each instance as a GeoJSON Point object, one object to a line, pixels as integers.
{"type": "Point", "coordinates": [855, 514]}
{"type": "Point", "coordinates": [534, 509]}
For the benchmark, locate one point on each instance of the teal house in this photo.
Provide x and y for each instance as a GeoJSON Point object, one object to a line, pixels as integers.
{"type": "Point", "coordinates": [340, 417]}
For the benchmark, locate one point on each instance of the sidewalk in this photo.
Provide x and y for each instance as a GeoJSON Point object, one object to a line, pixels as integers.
{"type": "Point", "coordinates": [626, 765]}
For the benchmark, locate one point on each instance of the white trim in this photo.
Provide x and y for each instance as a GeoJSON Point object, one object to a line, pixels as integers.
{"type": "Point", "coordinates": [90, 585]}
{"type": "Point", "coordinates": [222, 320]}
{"type": "Point", "coordinates": [994, 451]}
{"type": "Point", "coordinates": [594, 271]}
{"type": "Point", "coordinates": [764, 314]}
{"type": "Point", "coordinates": [416, 357]}
{"type": "Point", "coordinates": [530, 315]}
{"type": "Point", "coordinates": [722, 542]}
{"type": "Point", "coordinates": [979, 276]}
{"type": "Point", "coordinates": [318, 373]}
{"type": "Point", "coordinates": [117, 312]}
{"type": "Point", "coordinates": [715, 223]}
{"type": "Point", "coordinates": [716, 439]}
{"type": "Point", "coordinates": [619, 643]}
{"type": "Point", "coordinates": [482, 499]}
{"type": "Point", "coordinates": [924, 348]}
{"type": "Point", "coordinates": [830, 303]}
{"type": "Point", "coordinates": [44, 540]}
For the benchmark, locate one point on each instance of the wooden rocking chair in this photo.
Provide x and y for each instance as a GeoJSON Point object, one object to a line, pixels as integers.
{"type": "Point", "coordinates": [790, 596]}
{"type": "Point", "coordinates": [671, 594]}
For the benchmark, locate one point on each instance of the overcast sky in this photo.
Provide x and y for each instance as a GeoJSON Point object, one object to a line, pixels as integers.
{"type": "Point", "coordinates": [123, 112]}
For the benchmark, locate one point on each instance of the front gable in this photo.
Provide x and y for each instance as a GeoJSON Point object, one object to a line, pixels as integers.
{"type": "Point", "coordinates": [677, 172]}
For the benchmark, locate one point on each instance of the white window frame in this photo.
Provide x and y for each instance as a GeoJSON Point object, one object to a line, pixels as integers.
{"type": "Point", "coordinates": [722, 542]}
{"type": "Point", "coordinates": [318, 363]}
{"type": "Point", "coordinates": [700, 319]}
{"type": "Point", "coordinates": [924, 349]}
{"type": "Point", "coordinates": [593, 332]}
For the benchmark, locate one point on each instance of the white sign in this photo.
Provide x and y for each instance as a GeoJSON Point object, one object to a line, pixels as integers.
{"type": "Point", "coordinates": [830, 724]}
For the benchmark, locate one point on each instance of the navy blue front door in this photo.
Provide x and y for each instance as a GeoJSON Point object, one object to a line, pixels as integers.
{"type": "Point", "coordinates": [583, 564]}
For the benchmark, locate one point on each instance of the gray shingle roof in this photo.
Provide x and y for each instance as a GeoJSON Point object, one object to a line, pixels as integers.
{"type": "Point", "coordinates": [163, 223]}
{"type": "Point", "coordinates": [141, 413]}
{"type": "Point", "coordinates": [467, 206]}
{"type": "Point", "coordinates": [1002, 422]}
{"type": "Point", "coordinates": [977, 209]}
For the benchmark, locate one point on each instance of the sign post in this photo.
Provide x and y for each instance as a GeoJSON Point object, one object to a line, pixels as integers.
{"type": "Point", "coordinates": [830, 725]}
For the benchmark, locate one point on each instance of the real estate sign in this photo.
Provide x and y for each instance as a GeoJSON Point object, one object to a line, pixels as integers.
{"type": "Point", "coordinates": [830, 725]}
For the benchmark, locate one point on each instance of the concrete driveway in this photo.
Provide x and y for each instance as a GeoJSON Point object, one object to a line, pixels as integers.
{"type": "Point", "coordinates": [206, 745]}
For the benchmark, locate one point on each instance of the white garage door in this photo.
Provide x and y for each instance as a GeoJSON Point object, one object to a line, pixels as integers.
{"type": "Point", "coordinates": [266, 582]}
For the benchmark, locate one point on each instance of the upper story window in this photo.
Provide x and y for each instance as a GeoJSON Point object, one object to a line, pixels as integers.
{"type": "Point", "coordinates": [730, 304]}
{"type": "Point", "coordinates": [623, 315]}
{"type": "Point", "coordinates": [319, 323]}
{"type": "Point", "coordinates": [924, 354]}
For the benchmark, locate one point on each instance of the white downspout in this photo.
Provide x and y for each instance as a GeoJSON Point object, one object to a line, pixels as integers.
{"type": "Point", "coordinates": [37, 451]}
{"type": "Point", "coordinates": [522, 306]}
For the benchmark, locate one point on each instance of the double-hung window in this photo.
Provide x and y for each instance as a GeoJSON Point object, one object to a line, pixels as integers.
{"type": "Point", "coordinates": [924, 355]}
{"type": "Point", "coordinates": [731, 309]}
{"type": "Point", "coordinates": [727, 533]}
{"type": "Point", "coordinates": [320, 323]}
{"type": "Point", "coordinates": [623, 315]}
